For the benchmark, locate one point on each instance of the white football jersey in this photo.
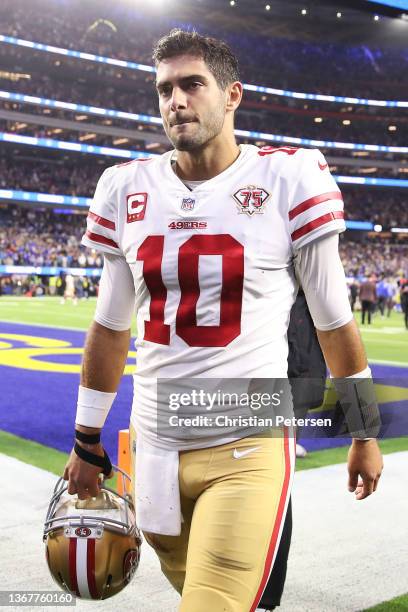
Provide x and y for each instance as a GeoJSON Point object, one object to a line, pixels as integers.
{"type": "Point", "coordinates": [213, 267]}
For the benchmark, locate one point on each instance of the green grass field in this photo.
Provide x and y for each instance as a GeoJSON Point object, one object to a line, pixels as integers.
{"type": "Point", "coordinates": [54, 461]}
{"type": "Point", "coordinates": [386, 340]}
{"type": "Point", "coordinates": [47, 311]}
{"type": "Point", "coordinates": [399, 604]}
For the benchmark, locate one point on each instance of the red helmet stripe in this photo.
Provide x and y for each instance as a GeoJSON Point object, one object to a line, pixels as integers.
{"type": "Point", "coordinates": [73, 565]}
{"type": "Point", "coordinates": [90, 569]}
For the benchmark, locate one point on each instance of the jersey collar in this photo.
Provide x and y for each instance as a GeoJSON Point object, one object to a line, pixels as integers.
{"type": "Point", "coordinates": [209, 184]}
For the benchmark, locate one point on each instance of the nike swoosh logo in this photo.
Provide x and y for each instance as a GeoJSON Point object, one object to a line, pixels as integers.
{"type": "Point", "coordinates": [238, 454]}
{"type": "Point", "coordinates": [322, 166]}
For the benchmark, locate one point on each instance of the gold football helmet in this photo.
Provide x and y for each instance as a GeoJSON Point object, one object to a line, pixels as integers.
{"type": "Point", "coordinates": [93, 545]}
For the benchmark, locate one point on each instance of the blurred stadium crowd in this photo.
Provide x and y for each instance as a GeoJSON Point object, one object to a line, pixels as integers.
{"type": "Point", "coordinates": [273, 116]}
{"type": "Point", "coordinates": [298, 65]}
{"type": "Point", "coordinates": [295, 62]}
{"type": "Point", "coordinates": [45, 237]}
{"type": "Point", "coordinates": [32, 238]}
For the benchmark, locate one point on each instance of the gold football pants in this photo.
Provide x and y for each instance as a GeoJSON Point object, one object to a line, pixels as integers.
{"type": "Point", "coordinates": [233, 502]}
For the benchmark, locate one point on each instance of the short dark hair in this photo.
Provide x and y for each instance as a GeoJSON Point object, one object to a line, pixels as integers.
{"type": "Point", "coordinates": [218, 56]}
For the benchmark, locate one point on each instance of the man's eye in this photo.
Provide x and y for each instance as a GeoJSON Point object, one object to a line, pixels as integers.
{"type": "Point", "coordinates": [165, 91]}
{"type": "Point", "coordinates": [194, 85]}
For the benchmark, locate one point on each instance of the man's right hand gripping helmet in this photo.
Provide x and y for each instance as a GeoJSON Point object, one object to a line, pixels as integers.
{"type": "Point", "coordinates": [93, 545]}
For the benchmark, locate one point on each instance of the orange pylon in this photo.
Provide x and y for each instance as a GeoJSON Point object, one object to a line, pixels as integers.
{"type": "Point", "coordinates": [123, 455]}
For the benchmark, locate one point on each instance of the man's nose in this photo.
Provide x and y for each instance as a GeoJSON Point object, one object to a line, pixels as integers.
{"type": "Point", "coordinates": [178, 99]}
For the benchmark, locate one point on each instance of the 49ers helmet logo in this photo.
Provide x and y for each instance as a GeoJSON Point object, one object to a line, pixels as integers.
{"type": "Point", "coordinates": [83, 532]}
{"type": "Point", "coordinates": [251, 200]}
{"type": "Point", "coordinates": [130, 564]}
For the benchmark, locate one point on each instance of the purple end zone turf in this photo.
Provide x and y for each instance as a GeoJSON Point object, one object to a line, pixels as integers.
{"type": "Point", "coordinates": [41, 406]}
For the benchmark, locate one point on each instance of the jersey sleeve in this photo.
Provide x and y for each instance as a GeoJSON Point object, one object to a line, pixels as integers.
{"type": "Point", "coordinates": [315, 200]}
{"type": "Point", "coordinates": [116, 298]}
{"type": "Point", "coordinates": [321, 275]}
{"type": "Point", "coordinates": [102, 227]}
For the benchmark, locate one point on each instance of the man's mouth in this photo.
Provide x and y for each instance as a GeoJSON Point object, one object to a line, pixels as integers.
{"type": "Point", "coordinates": [181, 122]}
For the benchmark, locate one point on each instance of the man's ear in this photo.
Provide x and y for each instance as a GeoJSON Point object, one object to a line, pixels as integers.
{"type": "Point", "coordinates": [234, 96]}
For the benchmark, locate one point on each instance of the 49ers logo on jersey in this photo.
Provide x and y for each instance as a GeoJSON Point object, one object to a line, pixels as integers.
{"type": "Point", "coordinates": [136, 206]}
{"type": "Point", "coordinates": [251, 200]}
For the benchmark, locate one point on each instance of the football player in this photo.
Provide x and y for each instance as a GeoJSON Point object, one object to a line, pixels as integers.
{"type": "Point", "coordinates": [208, 243]}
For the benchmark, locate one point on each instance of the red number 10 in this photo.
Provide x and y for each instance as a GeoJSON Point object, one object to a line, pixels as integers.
{"type": "Point", "coordinates": [232, 252]}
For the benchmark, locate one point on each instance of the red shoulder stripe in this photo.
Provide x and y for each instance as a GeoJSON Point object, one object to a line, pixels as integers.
{"type": "Point", "coordinates": [101, 239]}
{"type": "Point", "coordinates": [270, 150]}
{"type": "Point", "coordinates": [101, 221]}
{"type": "Point", "coordinates": [324, 197]}
{"type": "Point", "coordinates": [308, 227]}
{"type": "Point", "coordinates": [132, 161]}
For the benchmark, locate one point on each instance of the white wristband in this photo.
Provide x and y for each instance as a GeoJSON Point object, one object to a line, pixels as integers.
{"type": "Point", "coordinates": [93, 407]}
{"type": "Point", "coordinates": [366, 373]}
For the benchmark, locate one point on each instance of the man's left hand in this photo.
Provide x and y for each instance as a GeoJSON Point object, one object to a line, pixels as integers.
{"type": "Point", "coordinates": [364, 460]}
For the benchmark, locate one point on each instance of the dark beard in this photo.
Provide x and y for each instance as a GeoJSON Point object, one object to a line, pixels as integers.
{"type": "Point", "coordinates": [202, 136]}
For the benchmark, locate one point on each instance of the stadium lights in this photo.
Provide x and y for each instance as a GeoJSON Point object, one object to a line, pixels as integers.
{"type": "Point", "coordinates": [376, 18]}
{"type": "Point", "coordinates": [392, 128]}
{"type": "Point", "coordinates": [232, 2]}
{"type": "Point", "coordinates": [150, 69]}
{"type": "Point", "coordinates": [318, 119]}
{"type": "Point", "coordinates": [338, 15]}
{"type": "Point", "coordinates": [377, 228]}
{"type": "Point", "coordinates": [346, 122]}
{"type": "Point", "coordinates": [304, 11]}
{"type": "Point", "coordinates": [399, 230]}
{"type": "Point", "coordinates": [268, 7]}
{"type": "Point", "coordinates": [87, 137]}
{"type": "Point", "coordinates": [148, 119]}
{"type": "Point", "coordinates": [14, 76]}
{"type": "Point", "coordinates": [120, 141]}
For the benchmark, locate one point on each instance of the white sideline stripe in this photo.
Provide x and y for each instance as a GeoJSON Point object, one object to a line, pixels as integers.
{"type": "Point", "coordinates": [382, 330]}
{"type": "Point", "coordinates": [81, 329]}
{"type": "Point", "coordinates": [401, 364]}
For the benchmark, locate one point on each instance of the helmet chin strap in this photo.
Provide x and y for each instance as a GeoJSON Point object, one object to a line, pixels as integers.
{"type": "Point", "coordinates": [102, 462]}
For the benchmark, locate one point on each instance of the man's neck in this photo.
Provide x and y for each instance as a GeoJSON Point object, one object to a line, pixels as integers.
{"type": "Point", "coordinates": [205, 164]}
